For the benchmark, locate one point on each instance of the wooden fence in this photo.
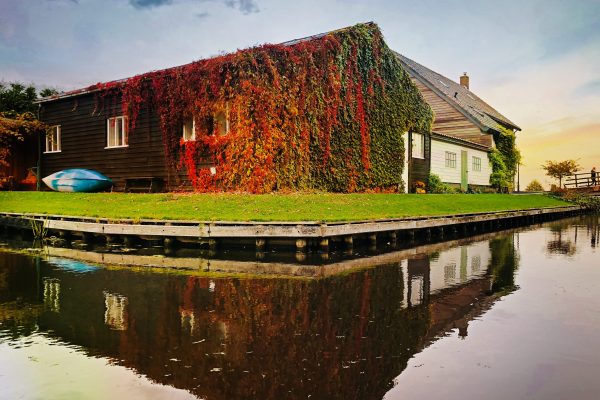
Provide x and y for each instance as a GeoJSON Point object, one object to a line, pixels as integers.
{"type": "Point", "coordinates": [582, 180]}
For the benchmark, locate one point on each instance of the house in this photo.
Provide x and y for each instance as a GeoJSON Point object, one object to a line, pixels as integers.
{"type": "Point", "coordinates": [465, 130]}
{"type": "Point", "coordinates": [326, 112]}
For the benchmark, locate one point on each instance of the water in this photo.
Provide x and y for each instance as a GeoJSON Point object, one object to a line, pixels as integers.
{"type": "Point", "coordinates": [511, 315]}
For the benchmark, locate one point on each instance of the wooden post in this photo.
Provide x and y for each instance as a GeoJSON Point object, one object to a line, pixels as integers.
{"type": "Point", "coordinates": [348, 242]}
{"type": "Point", "coordinates": [393, 237]}
{"type": "Point", "coordinates": [373, 239]}
{"type": "Point", "coordinates": [324, 245]}
{"type": "Point", "coordinates": [300, 245]}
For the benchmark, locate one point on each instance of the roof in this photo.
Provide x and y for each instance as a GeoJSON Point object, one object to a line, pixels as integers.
{"type": "Point", "coordinates": [98, 86]}
{"type": "Point", "coordinates": [459, 141]}
{"type": "Point", "coordinates": [459, 96]}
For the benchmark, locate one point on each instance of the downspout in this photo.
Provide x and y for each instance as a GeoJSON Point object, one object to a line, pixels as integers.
{"type": "Point", "coordinates": [38, 171]}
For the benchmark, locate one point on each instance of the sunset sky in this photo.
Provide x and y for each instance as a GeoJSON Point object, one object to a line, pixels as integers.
{"type": "Point", "coordinates": [537, 62]}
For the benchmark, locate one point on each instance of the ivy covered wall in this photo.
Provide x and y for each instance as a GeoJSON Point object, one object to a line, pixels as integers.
{"type": "Point", "coordinates": [504, 158]}
{"type": "Point", "coordinates": [327, 113]}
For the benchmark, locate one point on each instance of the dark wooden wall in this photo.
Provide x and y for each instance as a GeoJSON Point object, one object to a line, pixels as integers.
{"type": "Point", "coordinates": [83, 141]}
{"type": "Point", "coordinates": [418, 168]}
{"type": "Point", "coordinates": [448, 120]}
{"type": "Point", "coordinates": [23, 157]}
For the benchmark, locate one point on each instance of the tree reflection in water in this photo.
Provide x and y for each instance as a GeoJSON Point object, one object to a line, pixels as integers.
{"type": "Point", "coordinates": [344, 336]}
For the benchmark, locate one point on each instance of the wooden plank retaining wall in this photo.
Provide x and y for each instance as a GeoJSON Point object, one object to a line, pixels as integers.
{"type": "Point", "coordinates": [301, 234]}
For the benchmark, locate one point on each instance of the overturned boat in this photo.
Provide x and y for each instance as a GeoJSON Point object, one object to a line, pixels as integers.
{"type": "Point", "coordinates": [77, 180]}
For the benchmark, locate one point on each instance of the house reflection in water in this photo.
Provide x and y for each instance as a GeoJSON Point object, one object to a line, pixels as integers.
{"type": "Point", "coordinates": [344, 336]}
{"type": "Point", "coordinates": [52, 294]}
{"type": "Point", "coordinates": [115, 315]}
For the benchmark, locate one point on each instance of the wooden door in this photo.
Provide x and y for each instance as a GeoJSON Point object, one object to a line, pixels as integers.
{"type": "Point", "coordinates": [464, 172]}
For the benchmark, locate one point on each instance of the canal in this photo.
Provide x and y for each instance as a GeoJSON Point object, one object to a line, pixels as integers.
{"type": "Point", "coordinates": [508, 315]}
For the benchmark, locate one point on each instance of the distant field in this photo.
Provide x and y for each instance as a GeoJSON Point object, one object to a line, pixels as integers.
{"type": "Point", "coordinates": [274, 207]}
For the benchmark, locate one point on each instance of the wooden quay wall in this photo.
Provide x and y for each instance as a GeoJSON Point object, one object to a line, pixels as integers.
{"type": "Point", "coordinates": [304, 236]}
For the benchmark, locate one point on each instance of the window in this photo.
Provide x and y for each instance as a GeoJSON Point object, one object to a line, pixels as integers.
{"type": "Point", "coordinates": [221, 121]}
{"type": "Point", "coordinates": [450, 159]}
{"type": "Point", "coordinates": [418, 145]}
{"type": "Point", "coordinates": [116, 129]}
{"type": "Point", "coordinates": [476, 164]}
{"type": "Point", "coordinates": [53, 139]}
{"type": "Point", "coordinates": [189, 129]}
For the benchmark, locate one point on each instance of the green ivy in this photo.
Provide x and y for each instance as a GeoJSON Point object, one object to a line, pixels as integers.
{"type": "Point", "coordinates": [504, 159]}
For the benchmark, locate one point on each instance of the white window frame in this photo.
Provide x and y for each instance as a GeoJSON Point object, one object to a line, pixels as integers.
{"type": "Point", "coordinates": [124, 138]}
{"type": "Point", "coordinates": [418, 145]}
{"type": "Point", "coordinates": [53, 146]}
{"type": "Point", "coordinates": [192, 137]}
{"type": "Point", "coordinates": [476, 164]}
{"type": "Point", "coordinates": [450, 159]}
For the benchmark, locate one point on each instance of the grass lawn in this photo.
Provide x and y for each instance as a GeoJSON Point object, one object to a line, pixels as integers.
{"type": "Point", "coordinates": [272, 207]}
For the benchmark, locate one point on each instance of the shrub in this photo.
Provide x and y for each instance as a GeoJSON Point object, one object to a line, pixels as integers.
{"type": "Point", "coordinates": [435, 185]}
{"type": "Point", "coordinates": [534, 186]}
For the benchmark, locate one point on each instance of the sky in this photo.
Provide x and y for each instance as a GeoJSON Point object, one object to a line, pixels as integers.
{"type": "Point", "coordinates": [535, 61]}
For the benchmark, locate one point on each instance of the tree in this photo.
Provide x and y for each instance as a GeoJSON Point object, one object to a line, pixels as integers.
{"type": "Point", "coordinates": [17, 115]}
{"type": "Point", "coordinates": [534, 186]}
{"type": "Point", "coordinates": [18, 98]}
{"type": "Point", "coordinates": [13, 128]}
{"type": "Point", "coordinates": [558, 169]}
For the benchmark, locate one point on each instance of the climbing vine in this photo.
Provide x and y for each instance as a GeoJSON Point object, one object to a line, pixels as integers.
{"type": "Point", "coordinates": [504, 159]}
{"type": "Point", "coordinates": [325, 113]}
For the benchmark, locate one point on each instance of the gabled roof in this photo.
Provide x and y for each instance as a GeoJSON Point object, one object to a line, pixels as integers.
{"type": "Point", "coordinates": [459, 96]}
{"type": "Point", "coordinates": [459, 141]}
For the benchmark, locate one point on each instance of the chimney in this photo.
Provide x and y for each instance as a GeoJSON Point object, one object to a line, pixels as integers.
{"type": "Point", "coordinates": [464, 80]}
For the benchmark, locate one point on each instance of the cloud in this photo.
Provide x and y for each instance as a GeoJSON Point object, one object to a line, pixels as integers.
{"type": "Point", "coordinates": [245, 6]}
{"type": "Point", "coordinates": [149, 3]}
{"type": "Point", "coordinates": [202, 15]}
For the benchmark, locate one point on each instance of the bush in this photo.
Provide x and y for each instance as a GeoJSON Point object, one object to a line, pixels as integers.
{"type": "Point", "coordinates": [435, 185]}
{"type": "Point", "coordinates": [534, 186]}
{"type": "Point", "coordinates": [591, 203]}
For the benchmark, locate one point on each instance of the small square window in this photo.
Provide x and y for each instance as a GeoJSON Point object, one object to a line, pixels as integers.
{"type": "Point", "coordinates": [189, 129]}
{"type": "Point", "coordinates": [53, 139]}
{"type": "Point", "coordinates": [116, 132]}
{"type": "Point", "coordinates": [476, 164]}
{"type": "Point", "coordinates": [450, 159]}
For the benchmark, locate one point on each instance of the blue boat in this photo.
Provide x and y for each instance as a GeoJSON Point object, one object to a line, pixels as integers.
{"type": "Point", "coordinates": [77, 180]}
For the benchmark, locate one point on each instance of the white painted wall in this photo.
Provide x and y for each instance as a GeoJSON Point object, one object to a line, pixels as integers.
{"type": "Point", "coordinates": [452, 175]}
{"type": "Point", "coordinates": [405, 170]}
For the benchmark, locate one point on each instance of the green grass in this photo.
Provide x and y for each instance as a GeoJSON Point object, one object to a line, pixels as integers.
{"type": "Point", "coordinates": [273, 207]}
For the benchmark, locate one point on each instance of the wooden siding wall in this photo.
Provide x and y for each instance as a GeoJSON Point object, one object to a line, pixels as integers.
{"type": "Point", "coordinates": [418, 168]}
{"type": "Point", "coordinates": [83, 143]}
{"type": "Point", "coordinates": [453, 175]}
{"type": "Point", "coordinates": [449, 121]}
